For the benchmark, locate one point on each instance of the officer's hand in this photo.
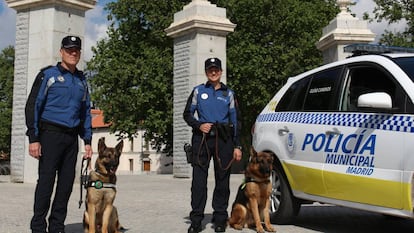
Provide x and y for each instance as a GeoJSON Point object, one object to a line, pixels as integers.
{"type": "Point", "coordinates": [237, 154]}
{"type": "Point", "coordinates": [35, 150]}
{"type": "Point", "coordinates": [205, 127]}
{"type": "Point", "coordinates": [88, 152]}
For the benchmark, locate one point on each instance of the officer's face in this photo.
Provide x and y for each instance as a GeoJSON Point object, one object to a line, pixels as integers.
{"type": "Point", "coordinates": [70, 56]}
{"type": "Point", "coordinates": [213, 74]}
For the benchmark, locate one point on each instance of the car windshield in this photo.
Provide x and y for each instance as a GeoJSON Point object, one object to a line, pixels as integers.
{"type": "Point", "coordinates": [407, 64]}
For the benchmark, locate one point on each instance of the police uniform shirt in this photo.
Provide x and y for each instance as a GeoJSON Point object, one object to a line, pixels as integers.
{"type": "Point", "coordinates": [59, 97]}
{"type": "Point", "coordinates": [212, 106]}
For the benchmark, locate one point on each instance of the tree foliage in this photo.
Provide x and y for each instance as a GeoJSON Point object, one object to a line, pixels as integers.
{"type": "Point", "coordinates": [394, 12]}
{"type": "Point", "coordinates": [6, 97]}
{"type": "Point", "coordinates": [273, 40]}
{"type": "Point", "coordinates": [133, 68]}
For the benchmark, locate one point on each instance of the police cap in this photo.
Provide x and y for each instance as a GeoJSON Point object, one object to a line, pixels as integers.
{"type": "Point", "coordinates": [212, 62]}
{"type": "Point", "coordinates": [71, 42]}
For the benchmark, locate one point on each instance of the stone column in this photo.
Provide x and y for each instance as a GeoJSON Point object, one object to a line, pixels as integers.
{"type": "Point", "coordinates": [343, 30]}
{"type": "Point", "coordinates": [40, 27]}
{"type": "Point", "coordinates": [199, 32]}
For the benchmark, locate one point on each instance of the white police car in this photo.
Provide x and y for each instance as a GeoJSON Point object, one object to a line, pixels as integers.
{"type": "Point", "coordinates": [343, 134]}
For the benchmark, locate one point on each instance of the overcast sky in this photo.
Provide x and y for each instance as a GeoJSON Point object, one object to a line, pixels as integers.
{"type": "Point", "coordinates": [96, 24]}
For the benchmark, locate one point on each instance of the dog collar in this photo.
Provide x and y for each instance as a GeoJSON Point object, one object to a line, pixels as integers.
{"type": "Point", "coordinates": [251, 179]}
{"type": "Point", "coordinates": [245, 181]}
{"type": "Point", "coordinates": [99, 184]}
{"type": "Point", "coordinates": [100, 174]}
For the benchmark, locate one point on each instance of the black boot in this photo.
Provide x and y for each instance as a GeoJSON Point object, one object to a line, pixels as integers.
{"type": "Point", "coordinates": [194, 229]}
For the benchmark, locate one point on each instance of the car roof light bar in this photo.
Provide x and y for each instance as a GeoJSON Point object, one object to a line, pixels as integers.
{"type": "Point", "coordinates": [364, 49]}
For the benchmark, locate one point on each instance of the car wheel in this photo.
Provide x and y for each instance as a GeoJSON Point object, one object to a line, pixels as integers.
{"type": "Point", "coordinates": [283, 205]}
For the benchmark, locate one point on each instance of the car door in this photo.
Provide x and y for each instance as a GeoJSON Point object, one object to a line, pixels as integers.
{"type": "Point", "coordinates": [363, 157]}
{"type": "Point", "coordinates": [304, 109]}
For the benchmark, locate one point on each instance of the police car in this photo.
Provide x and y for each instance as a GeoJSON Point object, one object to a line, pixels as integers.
{"type": "Point", "coordinates": [343, 134]}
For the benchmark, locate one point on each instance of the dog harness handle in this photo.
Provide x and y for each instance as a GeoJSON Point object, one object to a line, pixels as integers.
{"type": "Point", "coordinates": [83, 178]}
{"type": "Point", "coordinates": [99, 184]}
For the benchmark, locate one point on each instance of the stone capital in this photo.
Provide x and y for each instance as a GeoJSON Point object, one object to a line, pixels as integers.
{"type": "Point", "coordinates": [200, 16]}
{"type": "Point", "coordinates": [19, 5]}
{"type": "Point", "coordinates": [201, 24]}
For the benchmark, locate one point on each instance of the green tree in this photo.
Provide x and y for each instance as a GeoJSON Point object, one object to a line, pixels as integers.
{"type": "Point", "coordinates": [273, 40]}
{"type": "Point", "coordinates": [6, 97]}
{"type": "Point", "coordinates": [395, 12]}
{"type": "Point", "coordinates": [134, 66]}
{"type": "Point", "coordinates": [133, 69]}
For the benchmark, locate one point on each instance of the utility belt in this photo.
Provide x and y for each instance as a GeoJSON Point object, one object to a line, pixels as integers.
{"type": "Point", "coordinates": [222, 130]}
{"type": "Point", "coordinates": [46, 126]}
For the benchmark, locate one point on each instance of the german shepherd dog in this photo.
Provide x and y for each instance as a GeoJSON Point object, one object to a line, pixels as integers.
{"type": "Point", "coordinates": [100, 215]}
{"type": "Point", "coordinates": [252, 199]}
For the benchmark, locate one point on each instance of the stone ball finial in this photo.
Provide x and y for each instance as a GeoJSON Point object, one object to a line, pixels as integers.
{"type": "Point", "coordinates": [343, 5]}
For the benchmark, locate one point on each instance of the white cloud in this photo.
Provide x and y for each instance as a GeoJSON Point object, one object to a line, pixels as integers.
{"type": "Point", "coordinates": [95, 29]}
{"type": "Point", "coordinates": [378, 28]}
{"type": "Point", "coordinates": [95, 32]}
{"type": "Point", "coordinates": [7, 25]}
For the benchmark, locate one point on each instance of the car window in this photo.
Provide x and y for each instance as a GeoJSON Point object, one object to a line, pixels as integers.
{"type": "Point", "coordinates": [407, 64]}
{"type": "Point", "coordinates": [293, 98]}
{"type": "Point", "coordinates": [322, 94]}
{"type": "Point", "coordinates": [310, 93]}
{"type": "Point", "coordinates": [368, 79]}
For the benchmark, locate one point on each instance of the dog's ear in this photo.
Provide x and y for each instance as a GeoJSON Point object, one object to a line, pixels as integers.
{"type": "Point", "coordinates": [253, 154]}
{"type": "Point", "coordinates": [101, 145]}
{"type": "Point", "coordinates": [120, 146]}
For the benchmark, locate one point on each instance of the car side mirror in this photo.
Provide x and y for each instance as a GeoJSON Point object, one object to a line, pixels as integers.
{"type": "Point", "coordinates": [375, 100]}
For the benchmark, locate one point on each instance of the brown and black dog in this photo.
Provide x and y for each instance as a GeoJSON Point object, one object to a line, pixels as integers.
{"type": "Point", "coordinates": [252, 199]}
{"type": "Point", "coordinates": [100, 215]}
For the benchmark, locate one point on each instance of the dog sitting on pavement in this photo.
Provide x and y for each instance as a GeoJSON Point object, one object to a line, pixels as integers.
{"type": "Point", "coordinates": [252, 199]}
{"type": "Point", "coordinates": [100, 215]}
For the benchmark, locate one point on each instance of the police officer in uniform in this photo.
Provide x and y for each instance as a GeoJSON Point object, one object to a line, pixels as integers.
{"type": "Point", "coordinates": [57, 112]}
{"type": "Point", "coordinates": [212, 112]}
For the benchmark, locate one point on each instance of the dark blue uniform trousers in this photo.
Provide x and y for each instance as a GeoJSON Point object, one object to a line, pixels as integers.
{"type": "Point", "coordinates": [59, 154]}
{"type": "Point", "coordinates": [201, 162]}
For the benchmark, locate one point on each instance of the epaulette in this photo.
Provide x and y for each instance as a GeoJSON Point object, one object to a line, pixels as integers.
{"type": "Point", "coordinates": [45, 68]}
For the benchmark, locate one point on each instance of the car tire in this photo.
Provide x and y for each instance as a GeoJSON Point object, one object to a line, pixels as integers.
{"type": "Point", "coordinates": [284, 207]}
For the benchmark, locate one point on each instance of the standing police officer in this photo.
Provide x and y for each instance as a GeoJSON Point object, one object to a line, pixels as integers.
{"type": "Point", "coordinates": [212, 112]}
{"type": "Point", "coordinates": [57, 111]}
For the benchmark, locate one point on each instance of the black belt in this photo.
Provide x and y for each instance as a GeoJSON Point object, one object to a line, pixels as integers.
{"type": "Point", "coordinates": [58, 128]}
{"type": "Point", "coordinates": [223, 130]}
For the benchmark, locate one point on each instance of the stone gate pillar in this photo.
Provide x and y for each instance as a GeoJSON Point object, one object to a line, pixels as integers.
{"type": "Point", "coordinates": [345, 29]}
{"type": "Point", "coordinates": [199, 32]}
{"type": "Point", "coordinates": [40, 27]}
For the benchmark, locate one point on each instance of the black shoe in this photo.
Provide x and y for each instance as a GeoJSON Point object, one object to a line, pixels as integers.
{"type": "Point", "coordinates": [220, 228]}
{"type": "Point", "coordinates": [194, 229]}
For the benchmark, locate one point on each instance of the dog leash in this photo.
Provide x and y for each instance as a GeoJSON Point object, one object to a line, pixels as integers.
{"type": "Point", "coordinates": [83, 178]}
{"type": "Point", "coordinates": [204, 141]}
{"type": "Point", "coordinates": [218, 158]}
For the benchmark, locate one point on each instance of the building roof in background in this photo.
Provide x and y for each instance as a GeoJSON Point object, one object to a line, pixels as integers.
{"type": "Point", "coordinates": [98, 119]}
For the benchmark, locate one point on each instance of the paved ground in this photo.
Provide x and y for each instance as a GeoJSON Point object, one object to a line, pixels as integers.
{"type": "Point", "coordinates": [161, 203]}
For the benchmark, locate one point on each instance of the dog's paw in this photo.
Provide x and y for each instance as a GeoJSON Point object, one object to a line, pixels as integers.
{"type": "Point", "coordinates": [260, 230]}
{"type": "Point", "coordinates": [270, 229]}
{"type": "Point", "coordinates": [237, 226]}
